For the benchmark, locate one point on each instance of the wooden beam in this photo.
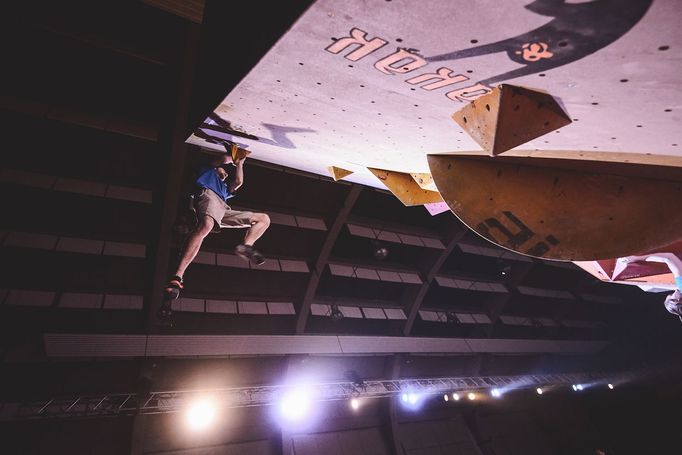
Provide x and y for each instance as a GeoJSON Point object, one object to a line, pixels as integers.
{"type": "Point", "coordinates": [477, 362]}
{"type": "Point", "coordinates": [482, 444]}
{"type": "Point", "coordinates": [172, 142]}
{"type": "Point", "coordinates": [192, 10]}
{"type": "Point", "coordinates": [394, 373]}
{"type": "Point", "coordinates": [139, 431]}
{"type": "Point", "coordinates": [93, 40]}
{"type": "Point", "coordinates": [145, 383]}
{"type": "Point", "coordinates": [414, 296]}
{"type": "Point", "coordinates": [71, 345]}
{"type": "Point", "coordinates": [323, 257]}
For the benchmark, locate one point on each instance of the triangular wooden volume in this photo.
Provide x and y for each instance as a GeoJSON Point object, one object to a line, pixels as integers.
{"type": "Point", "coordinates": [510, 116]}
{"type": "Point", "coordinates": [404, 187]}
{"type": "Point", "coordinates": [424, 180]}
{"type": "Point", "coordinates": [338, 173]}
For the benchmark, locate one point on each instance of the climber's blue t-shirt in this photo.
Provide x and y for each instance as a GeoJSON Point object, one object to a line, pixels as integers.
{"type": "Point", "coordinates": [208, 178]}
{"type": "Point", "coordinates": [678, 282]}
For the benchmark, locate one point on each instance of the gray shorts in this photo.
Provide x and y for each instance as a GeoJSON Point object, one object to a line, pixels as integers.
{"type": "Point", "coordinates": [207, 203]}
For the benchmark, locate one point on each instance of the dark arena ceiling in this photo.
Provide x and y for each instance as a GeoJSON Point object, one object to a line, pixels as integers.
{"type": "Point", "coordinates": [97, 102]}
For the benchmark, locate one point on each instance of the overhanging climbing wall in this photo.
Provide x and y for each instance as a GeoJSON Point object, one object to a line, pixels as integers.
{"type": "Point", "coordinates": [358, 84]}
{"type": "Point", "coordinates": [370, 87]}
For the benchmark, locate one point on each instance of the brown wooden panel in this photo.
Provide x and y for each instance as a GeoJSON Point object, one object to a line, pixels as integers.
{"type": "Point", "coordinates": [560, 213]}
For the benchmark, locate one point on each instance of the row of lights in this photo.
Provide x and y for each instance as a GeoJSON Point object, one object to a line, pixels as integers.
{"type": "Point", "coordinates": [296, 404]}
{"type": "Point", "coordinates": [497, 393]}
{"type": "Point", "coordinates": [456, 397]}
{"type": "Point", "coordinates": [412, 398]}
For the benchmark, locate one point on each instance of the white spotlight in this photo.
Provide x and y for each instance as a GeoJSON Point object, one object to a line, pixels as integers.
{"type": "Point", "coordinates": [446, 397]}
{"type": "Point", "coordinates": [575, 387]}
{"type": "Point", "coordinates": [539, 390]}
{"type": "Point", "coordinates": [579, 387]}
{"type": "Point", "coordinates": [610, 386]}
{"type": "Point", "coordinates": [496, 393]}
{"type": "Point", "coordinates": [471, 396]}
{"type": "Point", "coordinates": [412, 398]}
{"type": "Point", "coordinates": [455, 396]}
{"type": "Point", "coordinates": [295, 405]}
{"type": "Point", "coordinates": [200, 414]}
{"type": "Point", "coordinates": [355, 404]}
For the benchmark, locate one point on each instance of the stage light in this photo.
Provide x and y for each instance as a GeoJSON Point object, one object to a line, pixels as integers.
{"type": "Point", "coordinates": [577, 387]}
{"type": "Point", "coordinates": [539, 390]}
{"type": "Point", "coordinates": [200, 414]}
{"type": "Point", "coordinates": [455, 396]}
{"type": "Point", "coordinates": [412, 398]}
{"type": "Point", "coordinates": [295, 405]}
{"type": "Point", "coordinates": [355, 404]}
{"type": "Point", "coordinates": [496, 393]}
{"type": "Point", "coordinates": [610, 386]}
{"type": "Point", "coordinates": [445, 397]}
{"type": "Point", "coordinates": [471, 396]}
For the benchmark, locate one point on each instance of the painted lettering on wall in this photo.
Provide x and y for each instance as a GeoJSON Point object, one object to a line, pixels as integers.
{"type": "Point", "coordinates": [516, 237]}
{"type": "Point", "coordinates": [575, 31]}
{"type": "Point", "coordinates": [357, 46]}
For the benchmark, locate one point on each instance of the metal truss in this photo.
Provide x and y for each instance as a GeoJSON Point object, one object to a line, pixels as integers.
{"type": "Point", "coordinates": [174, 401]}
